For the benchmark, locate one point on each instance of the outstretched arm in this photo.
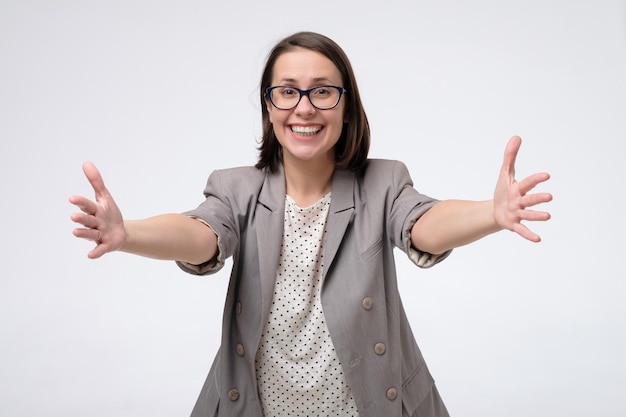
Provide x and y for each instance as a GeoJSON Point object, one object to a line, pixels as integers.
{"type": "Point", "coordinates": [168, 236]}
{"type": "Point", "coordinates": [453, 223]}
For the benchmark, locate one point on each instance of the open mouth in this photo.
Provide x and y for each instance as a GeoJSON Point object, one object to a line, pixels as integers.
{"type": "Point", "coordinates": [306, 130]}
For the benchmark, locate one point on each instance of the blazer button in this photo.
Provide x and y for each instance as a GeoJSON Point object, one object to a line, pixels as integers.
{"type": "Point", "coordinates": [392, 394]}
{"type": "Point", "coordinates": [380, 348]}
{"type": "Point", "coordinates": [233, 394]}
{"type": "Point", "coordinates": [368, 303]}
{"type": "Point", "coordinates": [238, 307]}
{"type": "Point", "coordinates": [240, 350]}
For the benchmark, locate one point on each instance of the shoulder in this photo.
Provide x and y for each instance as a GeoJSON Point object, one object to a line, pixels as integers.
{"type": "Point", "coordinates": [382, 166]}
{"type": "Point", "coordinates": [385, 172]}
{"type": "Point", "coordinates": [241, 176]}
{"type": "Point", "coordinates": [235, 182]}
{"type": "Point", "coordinates": [242, 171]}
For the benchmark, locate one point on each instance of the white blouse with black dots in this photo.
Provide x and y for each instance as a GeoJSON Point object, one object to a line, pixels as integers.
{"type": "Point", "coordinates": [298, 371]}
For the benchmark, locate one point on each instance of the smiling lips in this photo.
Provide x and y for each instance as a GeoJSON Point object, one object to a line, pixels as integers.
{"type": "Point", "coordinates": [306, 130]}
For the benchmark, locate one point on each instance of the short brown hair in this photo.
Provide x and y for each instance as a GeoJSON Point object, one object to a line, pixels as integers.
{"type": "Point", "coordinates": [353, 145]}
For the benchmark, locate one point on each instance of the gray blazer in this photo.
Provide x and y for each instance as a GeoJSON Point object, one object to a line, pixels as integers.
{"type": "Point", "coordinates": [371, 213]}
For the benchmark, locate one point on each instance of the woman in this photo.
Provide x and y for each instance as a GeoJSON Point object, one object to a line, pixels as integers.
{"type": "Point", "coordinates": [313, 323]}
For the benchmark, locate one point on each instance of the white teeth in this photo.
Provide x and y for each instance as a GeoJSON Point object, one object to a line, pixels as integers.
{"type": "Point", "coordinates": [305, 130]}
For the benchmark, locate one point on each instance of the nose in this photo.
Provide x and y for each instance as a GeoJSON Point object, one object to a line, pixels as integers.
{"type": "Point", "coordinates": [305, 106]}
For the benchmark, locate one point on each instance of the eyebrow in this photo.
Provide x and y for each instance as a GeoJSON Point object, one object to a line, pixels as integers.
{"type": "Point", "coordinates": [315, 80]}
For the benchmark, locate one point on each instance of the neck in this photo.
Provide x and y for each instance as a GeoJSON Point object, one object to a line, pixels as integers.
{"type": "Point", "coordinates": [307, 183]}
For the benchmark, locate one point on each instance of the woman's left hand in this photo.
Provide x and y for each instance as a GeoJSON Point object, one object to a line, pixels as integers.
{"type": "Point", "coordinates": [512, 199]}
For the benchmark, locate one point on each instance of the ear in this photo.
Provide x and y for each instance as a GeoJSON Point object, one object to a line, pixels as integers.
{"type": "Point", "coordinates": [270, 109]}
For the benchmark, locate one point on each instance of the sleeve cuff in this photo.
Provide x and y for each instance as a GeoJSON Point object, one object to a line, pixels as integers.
{"type": "Point", "coordinates": [209, 267]}
{"type": "Point", "coordinates": [425, 259]}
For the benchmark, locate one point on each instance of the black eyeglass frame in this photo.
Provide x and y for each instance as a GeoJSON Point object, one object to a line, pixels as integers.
{"type": "Point", "coordinates": [268, 94]}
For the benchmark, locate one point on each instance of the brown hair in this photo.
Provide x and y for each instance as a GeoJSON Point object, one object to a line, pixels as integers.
{"type": "Point", "coordinates": [353, 144]}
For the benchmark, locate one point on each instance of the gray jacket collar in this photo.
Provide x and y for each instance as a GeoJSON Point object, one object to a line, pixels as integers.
{"type": "Point", "coordinates": [270, 225]}
{"type": "Point", "coordinates": [272, 195]}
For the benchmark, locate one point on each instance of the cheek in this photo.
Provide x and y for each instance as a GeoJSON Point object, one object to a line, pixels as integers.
{"type": "Point", "coordinates": [274, 116]}
{"type": "Point", "coordinates": [344, 113]}
{"type": "Point", "coordinates": [341, 119]}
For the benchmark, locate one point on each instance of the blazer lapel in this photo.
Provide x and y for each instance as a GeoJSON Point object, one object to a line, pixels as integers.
{"type": "Point", "coordinates": [340, 215]}
{"type": "Point", "coordinates": [270, 216]}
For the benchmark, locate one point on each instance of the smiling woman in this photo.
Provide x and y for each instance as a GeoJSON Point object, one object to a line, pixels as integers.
{"type": "Point", "coordinates": [313, 322]}
{"type": "Point", "coordinates": [306, 133]}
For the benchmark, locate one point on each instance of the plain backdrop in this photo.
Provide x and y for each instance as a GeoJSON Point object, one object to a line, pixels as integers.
{"type": "Point", "coordinates": [160, 93]}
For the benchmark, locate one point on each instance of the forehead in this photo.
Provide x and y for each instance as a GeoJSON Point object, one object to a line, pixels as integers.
{"type": "Point", "coordinates": [304, 65]}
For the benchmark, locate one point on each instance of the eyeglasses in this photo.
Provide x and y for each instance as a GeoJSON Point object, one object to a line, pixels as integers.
{"type": "Point", "coordinates": [323, 97]}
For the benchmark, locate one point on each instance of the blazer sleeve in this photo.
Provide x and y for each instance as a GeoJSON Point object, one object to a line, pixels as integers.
{"type": "Point", "coordinates": [407, 208]}
{"type": "Point", "coordinates": [217, 212]}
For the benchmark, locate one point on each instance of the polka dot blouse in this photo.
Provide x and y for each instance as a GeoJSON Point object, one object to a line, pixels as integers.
{"type": "Point", "coordinates": [298, 371]}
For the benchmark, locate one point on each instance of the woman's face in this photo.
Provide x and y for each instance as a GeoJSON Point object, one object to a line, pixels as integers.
{"type": "Point", "coordinates": [307, 134]}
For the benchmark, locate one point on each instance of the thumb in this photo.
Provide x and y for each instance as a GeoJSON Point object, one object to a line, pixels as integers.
{"type": "Point", "coordinates": [510, 155]}
{"type": "Point", "coordinates": [95, 179]}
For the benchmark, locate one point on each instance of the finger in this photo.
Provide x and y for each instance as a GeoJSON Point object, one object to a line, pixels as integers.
{"type": "Point", "coordinates": [532, 181]}
{"type": "Point", "coordinates": [97, 252]}
{"type": "Point", "coordinates": [510, 155]}
{"type": "Point", "coordinates": [534, 216]}
{"type": "Point", "coordinates": [86, 220]}
{"type": "Point", "coordinates": [86, 205]}
{"type": "Point", "coordinates": [88, 234]}
{"type": "Point", "coordinates": [526, 233]}
{"type": "Point", "coordinates": [530, 200]}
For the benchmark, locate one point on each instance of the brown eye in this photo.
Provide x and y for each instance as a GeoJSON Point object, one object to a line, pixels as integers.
{"type": "Point", "coordinates": [288, 92]}
{"type": "Point", "coordinates": [321, 92]}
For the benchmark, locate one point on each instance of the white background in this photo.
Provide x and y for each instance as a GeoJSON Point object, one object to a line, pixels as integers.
{"type": "Point", "coordinates": [158, 94]}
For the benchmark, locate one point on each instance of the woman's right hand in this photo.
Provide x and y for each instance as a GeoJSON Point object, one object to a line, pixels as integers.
{"type": "Point", "coordinates": [101, 219]}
